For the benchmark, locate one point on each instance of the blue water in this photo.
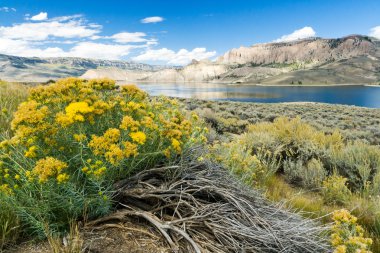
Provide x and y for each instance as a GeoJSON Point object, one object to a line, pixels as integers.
{"type": "Point", "coordinates": [358, 95]}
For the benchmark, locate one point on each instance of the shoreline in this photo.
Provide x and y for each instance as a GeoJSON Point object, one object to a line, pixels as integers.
{"type": "Point", "coordinates": [310, 85]}
{"type": "Point", "coordinates": [372, 85]}
{"type": "Point", "coordinates": [274, 103]}
{"type": "Point", "coordinates": [123, 82]}
{"type": "Point", "coordinates": [255, 84]}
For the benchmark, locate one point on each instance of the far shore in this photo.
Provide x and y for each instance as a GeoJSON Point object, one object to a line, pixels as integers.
{"type": "Point", "coordinates": [121, 82]}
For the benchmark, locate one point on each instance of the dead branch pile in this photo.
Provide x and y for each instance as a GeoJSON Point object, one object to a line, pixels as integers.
{"type": "Point", "coordinates": [201, 208]}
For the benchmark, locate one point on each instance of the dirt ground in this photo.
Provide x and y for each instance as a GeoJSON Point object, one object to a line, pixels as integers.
{"type": "Point", "coordinates": [111, 238]}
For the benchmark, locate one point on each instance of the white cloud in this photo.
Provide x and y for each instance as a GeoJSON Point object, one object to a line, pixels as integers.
{"type": "Point", "coordinates": [100, 50]}
{"type": "Point", "coordinates": [81, 49]}
{"type": "Point", "coordinates": [171, 57]}
{"type": "Point", "coordinates": [37, 38]}
{"type": "Point", "coordinates": [126, 37]}
{"type": "Point", "coordinates": [24, 48]}
{"type": "Point", "coordinates": [155, 19]}
{"type": "Point", "coordinates": [375, 32]}
{"type": "Point", "coordinates": [302, 33]}
{"type": "Point", "coordinates": [40, 17]}
{"type": "Point", "coordinates": [7, 9]}
{"type": "Point", "coordinates": [74, 36]}
{"type": "Point", "coordinates": [43, 30]}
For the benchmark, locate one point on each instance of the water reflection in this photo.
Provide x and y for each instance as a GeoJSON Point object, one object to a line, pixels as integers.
{"type": "Point", "coordinates": [350, 95]}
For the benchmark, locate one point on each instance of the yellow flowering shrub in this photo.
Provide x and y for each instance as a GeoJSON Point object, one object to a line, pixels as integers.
{"type": "Point", "coordinates": [238, 158]}
{"type": "Point", "coordinates": [347, 236]}
{"type": "Point", "coordinates": [75, 138]}
{"type": "Point", "coordinates": [335, 190]}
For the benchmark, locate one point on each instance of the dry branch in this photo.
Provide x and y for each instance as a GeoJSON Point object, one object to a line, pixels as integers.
{"type": "Point", "coordinates": [201, 207]}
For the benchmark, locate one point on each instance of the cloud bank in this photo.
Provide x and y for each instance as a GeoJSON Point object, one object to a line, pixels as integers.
{"type": "Point", "coordinates": [375, 32]}
{"type": "Point", "coordinates": [74, 36]}
{"type": "Point", "coordinates": [303, 33]}
{"type": "Point", "coordinates": [181, 57]}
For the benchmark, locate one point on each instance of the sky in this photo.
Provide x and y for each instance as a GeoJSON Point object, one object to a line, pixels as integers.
{"type": "Point", "coordinates": [173, 32]}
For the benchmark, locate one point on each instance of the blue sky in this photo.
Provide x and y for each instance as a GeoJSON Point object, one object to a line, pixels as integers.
{"type": "Point", "coordinates": [175, 31]}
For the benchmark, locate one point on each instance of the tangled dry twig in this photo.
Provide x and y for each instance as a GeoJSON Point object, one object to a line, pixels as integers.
{"type": "Point", "coordinates": [201, 208]}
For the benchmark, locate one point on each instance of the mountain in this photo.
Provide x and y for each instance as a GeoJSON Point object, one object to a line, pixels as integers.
{"type": "Point", "coordinates": [353, 59]}
{"type": "Point", "coordinates": [34, 69]}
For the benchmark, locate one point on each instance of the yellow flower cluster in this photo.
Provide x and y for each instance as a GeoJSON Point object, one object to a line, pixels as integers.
{"type": "Point", "coordinates": [5, 176]}
{"type": "Point", "coordinates": [97, 169]}
{"type": "Point", "coordinates": [347, 236]}
{"type": "Point", "coordinates": [79, 137]}
{"type": "Point", "coordinates": [176, 145]}
{"type": "Point", "coordinates": [74, 112]}
{"type": "Point", "coordinates": [133, 91]}
{"type": "Point", "coordinates": [50, 167]}
{"type": "Point", "coordinates": [4, 188]}
{"type": "Point", "coordinates": [138, 137]}
{"type": "Point", "coordinates": [130, 149]}
{"type": "Point", "coordinates": [114, 154]}
{"type": "Point", "coordinates": [30, 119]}
{"type": "Point", "coordinates": [31, 153]}
{"type": "Point", "coordinates": [129, 123]}
{"type": "Point", "coordinates": [29, 113]}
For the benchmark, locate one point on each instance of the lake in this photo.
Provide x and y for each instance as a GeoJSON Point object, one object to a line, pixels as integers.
{"type": "Point", "coordinates": [359, 95]}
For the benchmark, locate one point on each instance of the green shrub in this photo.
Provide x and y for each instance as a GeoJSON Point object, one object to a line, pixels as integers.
{"type": "Point", "coordinates": [294, 139]}
{"type": "Point", "coordinates": [375, 187]}
{"type": "Point", "coordinates": [242, 163]}
{"type": "Point", "coordinates": [309, 176]}
{"type": "Point", "coordinates": [357, 161]}
{"type": "Point", "coordinates": [293, 171]}
{"type": "Point", "coordinates": [307, 155]}
{"type": "Point", "coordinates": [74, 139]}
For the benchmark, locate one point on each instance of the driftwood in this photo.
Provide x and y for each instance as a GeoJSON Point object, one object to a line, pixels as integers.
{"type": "Point", "coordinates": [202, 208]}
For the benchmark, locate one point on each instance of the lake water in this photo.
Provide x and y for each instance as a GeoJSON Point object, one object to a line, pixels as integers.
{"type": "Point", "coordinates": [358, 95]}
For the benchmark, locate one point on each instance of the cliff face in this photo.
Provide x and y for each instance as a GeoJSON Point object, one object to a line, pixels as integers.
{"type": "Point", "coordinates": [314, 51]}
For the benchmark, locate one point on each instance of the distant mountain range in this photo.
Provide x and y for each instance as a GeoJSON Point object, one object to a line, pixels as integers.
{"type": "Point", "coordinates": [34, 69]}
{"type": "Point", "coordinates": [352, 59]}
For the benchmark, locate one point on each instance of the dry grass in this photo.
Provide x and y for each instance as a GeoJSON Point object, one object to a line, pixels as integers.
{"type": "Point", "coordinates": [11, 95]}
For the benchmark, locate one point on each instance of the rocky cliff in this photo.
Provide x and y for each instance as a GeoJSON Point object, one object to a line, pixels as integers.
{"type": "Point", "coordinates": [309, 51]}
